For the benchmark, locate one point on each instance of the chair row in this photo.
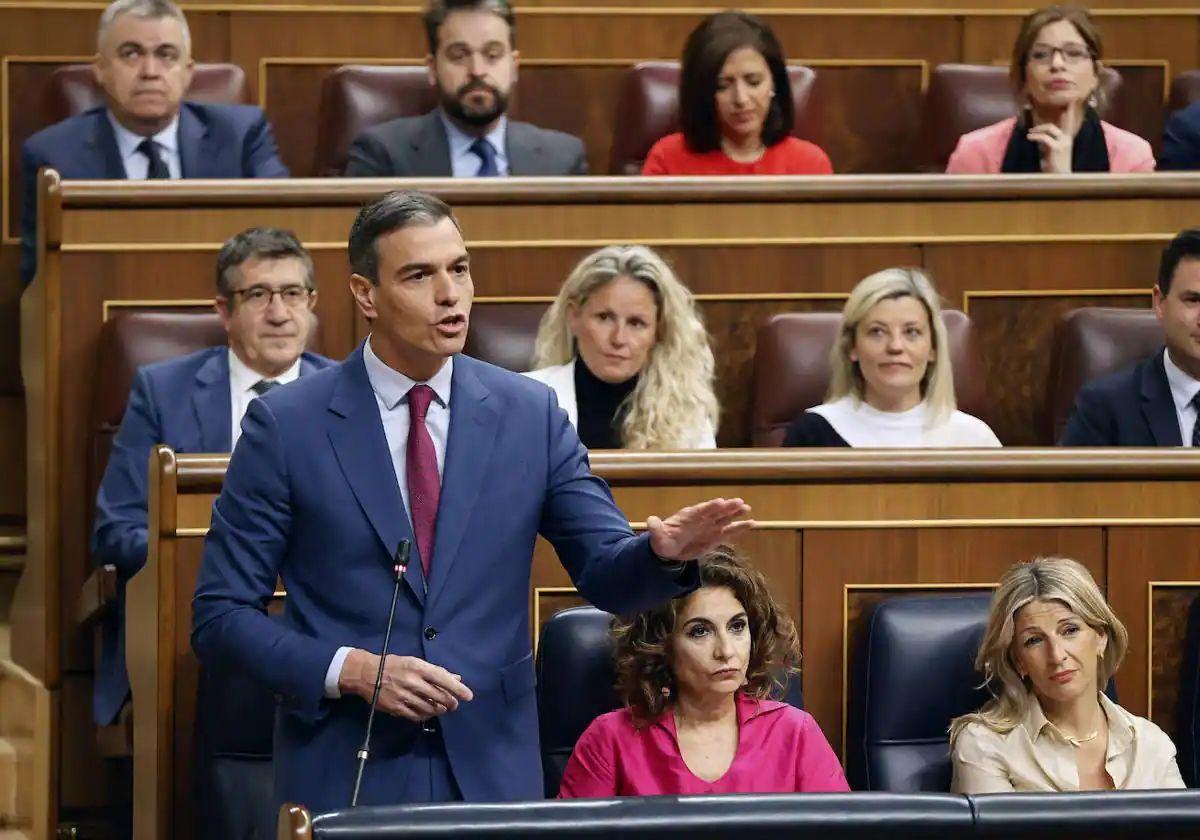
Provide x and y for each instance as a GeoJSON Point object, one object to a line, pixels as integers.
{"type": "Point", "coordinates": [959, 99]}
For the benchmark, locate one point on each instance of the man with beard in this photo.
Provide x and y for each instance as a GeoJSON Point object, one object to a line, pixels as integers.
{"type": "Point", "coordinates": [473, 64]}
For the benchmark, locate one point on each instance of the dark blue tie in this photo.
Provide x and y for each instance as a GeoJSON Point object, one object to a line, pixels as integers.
{"type": "Point", "coordinates": [1196, 428]}
{"type": "Point", "coordinates": [487, 158]}
{"type": "Point", "coordinates": [158, 168]}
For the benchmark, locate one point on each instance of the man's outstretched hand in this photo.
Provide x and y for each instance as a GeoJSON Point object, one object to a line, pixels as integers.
{"type": "Point", "coordinates": [698, 529]}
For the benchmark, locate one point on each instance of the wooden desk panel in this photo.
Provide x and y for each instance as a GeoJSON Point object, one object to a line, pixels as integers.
{"type": "Point", "coordinates": [838, 533]}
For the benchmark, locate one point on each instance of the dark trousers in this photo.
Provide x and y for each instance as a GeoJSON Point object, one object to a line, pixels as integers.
{"type": "Point", "coordinates": [431, 778]}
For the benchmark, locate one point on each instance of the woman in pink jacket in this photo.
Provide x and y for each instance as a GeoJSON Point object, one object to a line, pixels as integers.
{"type": "Point", "coordinates": [696, 675]}
{"type": "Point", "coordinates": [1056, 71]}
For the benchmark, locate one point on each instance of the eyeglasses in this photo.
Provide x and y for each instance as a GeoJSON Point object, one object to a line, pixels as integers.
{"type": "Point", "coordinates": [259, 297]}
{"type": "Point", "coordinates": [1071, 53]}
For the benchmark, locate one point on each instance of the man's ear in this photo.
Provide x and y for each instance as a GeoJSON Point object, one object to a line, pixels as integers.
{"type": "Point", "coordinates": [1157, 298]}
{"type": "Point", "coordinates": [224, 311]}
{"type": "Point", "coordinates": [363, 291]}
{"type": "Point", "coordinates": [431, 69]}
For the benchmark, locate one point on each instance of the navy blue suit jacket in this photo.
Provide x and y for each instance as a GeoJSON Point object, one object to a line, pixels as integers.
{"type": "Point", "coordinates": [183, 403]}
{"type": "Point", "coordinates": [1132, 407]}
{"type": "Point", "coordinates": [215, 141]}
{"type": "Point", "coordinates": [1181, 140]}
{"type": "Point", "coordinates": [311, 495]}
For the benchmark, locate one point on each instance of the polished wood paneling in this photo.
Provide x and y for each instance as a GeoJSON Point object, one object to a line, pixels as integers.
{"type": "Point", "coordinates": [1170, 603]}
{"type": "Point", "coordinates": [1138, 557]}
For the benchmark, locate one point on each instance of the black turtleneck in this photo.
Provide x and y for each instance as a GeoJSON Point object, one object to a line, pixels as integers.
{"type": "Point", "coordinates": [598, 403]}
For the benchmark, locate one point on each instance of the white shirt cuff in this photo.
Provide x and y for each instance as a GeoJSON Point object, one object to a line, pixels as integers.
{"type": "Point", "coordinates": [334, 674]}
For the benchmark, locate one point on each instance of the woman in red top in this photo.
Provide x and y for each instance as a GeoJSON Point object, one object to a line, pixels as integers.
{"type": "Point", "coordinates": [735, 107]}
{"type": "Point", "coordinates": [696, 675]}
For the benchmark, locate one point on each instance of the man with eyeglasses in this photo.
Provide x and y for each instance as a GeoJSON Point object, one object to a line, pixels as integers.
{"type": "Point", "coordinates": [265, 297]}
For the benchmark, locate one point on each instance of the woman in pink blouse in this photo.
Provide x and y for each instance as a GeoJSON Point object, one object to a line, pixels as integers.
{"type": "Point", "coordinates": [696, 676]}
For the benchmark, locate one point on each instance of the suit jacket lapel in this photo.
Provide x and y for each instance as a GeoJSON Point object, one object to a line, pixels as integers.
{"type": "Point", "coordinates": [523, 150]}
{"type": "Point", "coordinates": [1158, 405]}
{"type": "Point", "coordinates": [431, 148]}
{"type": "Point", "coordinates": [468, 453]}
{"type": "Point", "coordinates": [103, 146]}
{"type": "Point", "coordinates": [356, 433]}
{"type": "Point", "coordinates": [211, 403]}
{"type": "Point", "coordinates": [194, 151]}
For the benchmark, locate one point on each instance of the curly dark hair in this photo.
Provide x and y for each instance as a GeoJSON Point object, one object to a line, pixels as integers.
{"type": "Point", "coordinates": [642, 641]}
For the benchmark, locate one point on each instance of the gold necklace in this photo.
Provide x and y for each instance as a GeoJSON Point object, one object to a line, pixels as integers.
{"type": "Point", "coordinates": [1075, 742]}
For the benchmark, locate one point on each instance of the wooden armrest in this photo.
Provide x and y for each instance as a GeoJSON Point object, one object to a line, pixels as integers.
{"type": "Point", "coordinates": [98, 595]}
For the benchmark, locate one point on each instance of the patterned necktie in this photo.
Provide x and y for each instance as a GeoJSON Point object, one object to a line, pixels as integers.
{"type": "Point", "coordinates": [487, 157]}
{"type": "Point", "coordinates": [263, 385]}
{"type": "Point", "coordinates": [1196, 428]}
{"type": "Point", "coordinates": [421, 472]}
{"type": "Point", "coordinates": [158, 168]}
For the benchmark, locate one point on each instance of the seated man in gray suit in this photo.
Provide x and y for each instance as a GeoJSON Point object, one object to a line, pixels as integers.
{"type": "Point", "coordinates": [473, 63]}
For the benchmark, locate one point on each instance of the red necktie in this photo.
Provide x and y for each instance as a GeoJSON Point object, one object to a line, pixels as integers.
{"type": "Point", "coordinates": [421, 469]}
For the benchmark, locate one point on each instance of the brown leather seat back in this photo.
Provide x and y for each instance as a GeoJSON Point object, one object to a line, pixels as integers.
{"type": "Point", "coordinates": [1092, 342]}
{"type": "Point", "coordinates": [355, 97]}
{"type": "Point", "coordinates": [72, 89]}
{"type": "Point", "coordinates": [964, 97]}
{"type": "Point", "coordinates": [504, 334]}
{"type": "Point", "coordinates": [648, 110]}
{"type": "Point", "coordinates": [129, 340]}
{"type": "Point", "coordinates": [1185, 89]}
{"type": "Point", "coordinates": [791, 369]}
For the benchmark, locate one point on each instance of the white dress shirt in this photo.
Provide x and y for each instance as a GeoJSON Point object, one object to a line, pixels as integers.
{"type": "Point", "coordinates": [242, 380]}
{"type": "Point", "coordinates": [137, 165]}
{"type": "Point", "coordinates": [391, 397]}
{"type": "Point", "coordinates": [1183, 391]}
{"type": "Point", "coordinates": [463, 162]}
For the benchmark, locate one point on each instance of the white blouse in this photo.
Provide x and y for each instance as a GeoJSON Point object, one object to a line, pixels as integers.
{"type": "Point", "coordinates": [861, 425]}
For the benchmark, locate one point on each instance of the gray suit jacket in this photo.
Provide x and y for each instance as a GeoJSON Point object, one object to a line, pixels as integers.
{"type": "Point", "coordinates": [416, 147]}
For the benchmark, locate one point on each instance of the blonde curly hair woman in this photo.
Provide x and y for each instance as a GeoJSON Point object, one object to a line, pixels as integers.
{"type": "Point", "coordinates": [627, 354]}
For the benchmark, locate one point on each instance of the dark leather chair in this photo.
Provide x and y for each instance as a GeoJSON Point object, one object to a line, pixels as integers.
{"type": "Point", "coordinates": [72, 89]}
{"type": "Point", "coordinates": [355, 97]}
{"type": "Point", "coordinates": [964, 97]}
{"type": "Point", "coordinates": [914, 673]}
{"type": "Point", "coordinates": [504, 333]}
{"type": "Point", "coordinates": [576, 683]}
{"type": "Point", "coordinates": [1185, 89]}
{"type": "Point", "coordinates": [1187, 739]}
{"type": "Point", "coordinates": [1144, 814]}
{"type": "Point", "coordinates": [791, 369]}
{"type": "Point", "coordinates": [1092, 342]}
{"type": "Point", "coordinates": [823, 815]}
{"type": "Point", "coordinates": [648, 110]}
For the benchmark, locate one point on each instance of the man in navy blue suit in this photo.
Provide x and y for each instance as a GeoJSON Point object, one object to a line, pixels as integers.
{"type": "Point", "coordinates": [1153, 403]}
{"type": "Point", "coordinates": [265, 295]}
{"type": "Point", "coordinates": [146, 130]}
{"type": "Point", "coordinates": [409, 440]}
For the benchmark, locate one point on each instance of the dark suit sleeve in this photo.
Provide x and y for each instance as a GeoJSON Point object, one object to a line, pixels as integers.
{"type": "Point", "coordinates": [260, 155]}
{"type": "Point", "coordinates": [31, 161]}
{"type": "Point", "coordinates": [1181, 141]}
{"type": "Point", "coordinates": [1092, 422]}
{"type": "Point", "coordinates": [580, 166]}
{"type": "Point", "coordinates": [611, 567]}
{"type": "Point", "coordinates": [368, 158]}
{"type": "Point", "coordinates": [119, 536]}
{"type": "Point", "coordinates": [246, 544]}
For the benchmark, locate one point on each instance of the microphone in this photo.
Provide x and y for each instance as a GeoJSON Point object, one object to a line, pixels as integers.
{"type": "Point", "coordinates": [399, 567]}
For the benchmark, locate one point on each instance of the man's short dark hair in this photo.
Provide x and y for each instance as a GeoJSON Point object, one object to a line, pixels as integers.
{"type": "Point", "coordinates": [1185, 246]}
{"type": "Point", "coordinates": [394, 211]}
{"type": "Point", "coordinates": [704, 55]}
{"type": "Point", "coordinates": [262, 243]}
{"type": "Point", "coordinates": [437, 12]}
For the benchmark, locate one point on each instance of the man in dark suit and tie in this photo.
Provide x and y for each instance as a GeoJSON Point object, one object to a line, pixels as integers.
{"type": "Point", "coordinates": [409, 440]}
{"type": "Point", "coordinates": [265, 295]}
{"type": "Point", "coordinates": [1155, 402]}
{"type": "Point", "coordinates": [472, 62]}
{"type": "Point", "coordinates": [146, 131]}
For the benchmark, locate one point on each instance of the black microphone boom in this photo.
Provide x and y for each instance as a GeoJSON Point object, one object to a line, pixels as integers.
{"type": "Point", "coordinates": [398, 568]}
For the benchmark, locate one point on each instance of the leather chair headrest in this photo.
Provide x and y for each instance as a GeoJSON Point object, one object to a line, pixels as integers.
{"type": "Point", "coordinates": [72, 89]}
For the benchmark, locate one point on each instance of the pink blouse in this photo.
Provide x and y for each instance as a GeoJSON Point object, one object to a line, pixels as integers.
{"type": "Point", "coordinates": [981, 152]}
{"type": "Point", "coordinates": [780, 750]}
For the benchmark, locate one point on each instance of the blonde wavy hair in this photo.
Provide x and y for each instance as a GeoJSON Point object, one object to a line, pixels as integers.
{"type": "Point", "coordinates": [1041, 579]}
{"type": "Point", "coordinates": [937, 386]}
{"type": "Point", "coordinates": [674, 394]}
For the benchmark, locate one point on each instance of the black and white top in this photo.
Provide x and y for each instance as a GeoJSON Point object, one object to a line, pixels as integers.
{"type": "Point", "coordinates": [851, 422]}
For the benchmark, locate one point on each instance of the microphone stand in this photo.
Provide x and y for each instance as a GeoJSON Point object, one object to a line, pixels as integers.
{"type": "Point", "coordinates": [399, 567]}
